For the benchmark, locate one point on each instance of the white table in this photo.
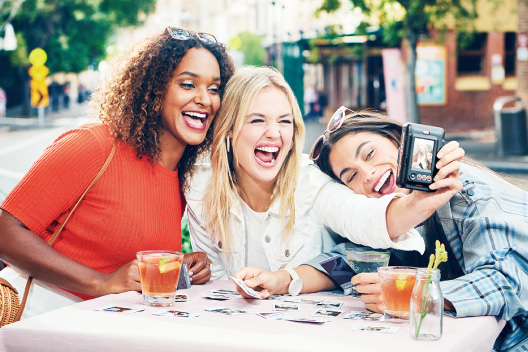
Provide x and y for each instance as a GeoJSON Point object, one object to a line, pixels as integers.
{"type": "Point", "coordinates": [81, 328]}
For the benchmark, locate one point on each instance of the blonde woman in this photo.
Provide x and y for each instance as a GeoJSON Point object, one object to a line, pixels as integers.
{"type": "Point", "coordinates": [262, 203]}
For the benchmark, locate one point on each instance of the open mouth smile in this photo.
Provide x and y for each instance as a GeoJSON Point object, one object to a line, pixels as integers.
{"type": "Point", "coordinates": [196, 120]}
{"type": "Point", "coordinates": [267, 155]}
{"type": "Point", "coordinates": [385, 184]}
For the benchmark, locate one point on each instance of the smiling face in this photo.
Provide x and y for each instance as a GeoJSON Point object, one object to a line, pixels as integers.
{"type": "Point", "coordinates": [265, 139]}
{"type": "Point", "coordinates": [192, 100]}
{"type": "Point", "coordinates": [366, 163]}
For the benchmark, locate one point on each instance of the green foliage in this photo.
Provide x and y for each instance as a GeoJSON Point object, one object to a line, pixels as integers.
{"type": "Point", "coordinates": [186, 236]}
{"type": "Point", "coordinates": [126, 12]}
{"type": "Point", "coordinates": [417, 18]}
{"type": "Point", "coordinates": [329, 6]}
{"type": "Point", "coordinates": [332, 37]}
{"type": "Point", "coordinates": [74, 33]}
{"type": "Point", "coordinates": [251, 46]}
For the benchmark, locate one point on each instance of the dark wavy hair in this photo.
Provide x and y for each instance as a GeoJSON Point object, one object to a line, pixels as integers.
{"type": "Point", "coordinates": [376, 122]}
{"type": "Point", "coordinates": [129, 100]}
{"type": "Point", "coordinates": [357, 122]}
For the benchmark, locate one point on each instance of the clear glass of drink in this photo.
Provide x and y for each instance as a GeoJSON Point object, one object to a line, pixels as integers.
{"type": "Point", "coordinates": [397, 283]}
{"type": "Point", "coordinates": [159, 272]}
{"type": "Point", "coordinates": [367, 260]}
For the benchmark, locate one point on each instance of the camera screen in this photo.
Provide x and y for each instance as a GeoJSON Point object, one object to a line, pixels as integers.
{"type": "Point", "coordinates": [422, 154]}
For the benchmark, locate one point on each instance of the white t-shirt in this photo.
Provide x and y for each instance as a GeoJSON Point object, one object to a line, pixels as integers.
{"type": "Point", "coordinates": [255, 223]}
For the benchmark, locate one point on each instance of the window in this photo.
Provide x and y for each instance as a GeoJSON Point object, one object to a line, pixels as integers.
{"type": "Point", "coordinates": [471, 53]}
{"type": "Point", "coordinates": [510, 39]}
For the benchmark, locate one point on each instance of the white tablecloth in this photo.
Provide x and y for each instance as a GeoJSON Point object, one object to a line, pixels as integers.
{"type": "Point", "coordinates": [80, 327]}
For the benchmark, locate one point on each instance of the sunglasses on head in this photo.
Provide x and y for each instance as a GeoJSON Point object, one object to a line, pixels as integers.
{"type": "Point", "coordinates": [185, 34]}
{"type": "Point", "coordinates": [336, 121]}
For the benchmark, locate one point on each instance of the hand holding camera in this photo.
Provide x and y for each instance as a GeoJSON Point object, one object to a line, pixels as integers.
{"type": "Point", "coordinates": [417, 156]}
{"type": "Point", "coordinates": [427, 164]}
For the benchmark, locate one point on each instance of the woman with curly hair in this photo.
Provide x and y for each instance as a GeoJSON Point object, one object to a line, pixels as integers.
{"type": "Point", "coordinates": [156, 109]}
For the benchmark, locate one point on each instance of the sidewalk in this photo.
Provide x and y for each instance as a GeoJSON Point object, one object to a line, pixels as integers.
{"type": "Point", "coordinates": [481, 146]}
{"type": "Point", "coordinates": [13, 121]}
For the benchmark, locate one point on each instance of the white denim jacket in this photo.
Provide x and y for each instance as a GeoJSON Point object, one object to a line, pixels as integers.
{"type": "Point", "coordinates": [323, 208]}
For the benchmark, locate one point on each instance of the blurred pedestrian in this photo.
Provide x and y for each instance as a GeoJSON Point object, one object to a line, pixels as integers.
{"type": "Point", "coordinates": [66, 92]}
{"type": "Point", "coordinates": [55, 91]}
{"type": "Point", "coordinates": [156, 108]}
{"type": "Point", "coordinates": [81, 94]}
{"type": "Point", "coordinates": [322, 102]}
{"type": "Point", "coordinates": [3, 102]}
{"type": "Point", "coordinates": [310, 99]}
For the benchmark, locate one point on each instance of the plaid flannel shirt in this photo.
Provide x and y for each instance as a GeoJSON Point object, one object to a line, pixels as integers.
{"type": "Point", "coordinates": [486, 224]}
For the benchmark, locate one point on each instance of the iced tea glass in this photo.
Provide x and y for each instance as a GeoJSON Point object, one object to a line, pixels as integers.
{"type": "Point", "coordinates": [397, 283]}
{"type": "Point", "coordinates": [159, 272]}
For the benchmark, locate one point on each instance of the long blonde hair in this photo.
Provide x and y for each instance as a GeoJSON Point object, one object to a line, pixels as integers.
{"type": "Point", "coordinates": [221, 191]}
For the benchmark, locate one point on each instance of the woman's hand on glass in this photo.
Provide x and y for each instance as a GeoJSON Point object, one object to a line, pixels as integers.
{"type": "Point", "coordinates": [125, 278]}
{"type": "Point", "coordinates": [367, 284]}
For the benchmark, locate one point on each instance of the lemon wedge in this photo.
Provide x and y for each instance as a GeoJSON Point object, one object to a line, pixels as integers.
{"type": "Point", "coordinates": [401, 281]}
{"type": "Point", "coordinates": [165, 267]}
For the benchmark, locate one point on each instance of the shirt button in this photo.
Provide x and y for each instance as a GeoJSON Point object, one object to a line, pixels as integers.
{"type": "Point", "coordinates": [267, 239]}
{"type": "Point", "coordinates": [470, 192]}
{"type": "Point", "coordinates": [287, 253]}
{"type": "Point", "coordinates": [220, 244]}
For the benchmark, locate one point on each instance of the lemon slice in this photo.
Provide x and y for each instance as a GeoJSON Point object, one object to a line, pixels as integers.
{"type": "Point", "coordinates": [165, 267]}
{"type": "Point", "coordinates": [401, 281]}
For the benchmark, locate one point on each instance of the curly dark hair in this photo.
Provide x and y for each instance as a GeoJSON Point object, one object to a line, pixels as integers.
{"type": "Point", "coordinates": [129, 100]}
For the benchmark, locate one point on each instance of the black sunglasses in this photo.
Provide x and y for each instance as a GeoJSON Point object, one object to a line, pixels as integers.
{"type": "Point", "coordinates": [335, 122]}
{"type": "Point", "coordinates": [184, 34]}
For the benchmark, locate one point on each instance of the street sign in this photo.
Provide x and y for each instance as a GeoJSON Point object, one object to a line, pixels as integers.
{"type": "Point", "coordinates": [38, 73]}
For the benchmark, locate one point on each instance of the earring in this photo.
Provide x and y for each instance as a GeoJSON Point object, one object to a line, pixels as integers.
{"type": "Point", "coordinates": [228, 144]}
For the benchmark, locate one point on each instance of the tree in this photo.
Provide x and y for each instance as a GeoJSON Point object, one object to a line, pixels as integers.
{"type": "Point", "coordinates": [251, 46]}
{"type": "Point", "coordinates": [73, 33]}
{"type": "Point", "coordinates": [412, 20]}
{"type": "Point", "coordinates": [521, 67]}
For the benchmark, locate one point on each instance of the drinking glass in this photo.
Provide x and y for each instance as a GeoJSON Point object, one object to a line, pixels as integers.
{"type": "Point", "coordinates": [397, 283]}
{"type": "Point", "coordinates": [367, 260]}
{"type": "Point", "coordinates": [159, 272]}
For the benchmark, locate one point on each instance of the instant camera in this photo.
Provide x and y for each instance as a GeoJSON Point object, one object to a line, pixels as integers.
{"type": "Point", "coordinates": [417, 156]}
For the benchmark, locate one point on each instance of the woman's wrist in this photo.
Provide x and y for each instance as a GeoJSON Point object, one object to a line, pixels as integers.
{"type": "Point", "coordinates": [283, 282]}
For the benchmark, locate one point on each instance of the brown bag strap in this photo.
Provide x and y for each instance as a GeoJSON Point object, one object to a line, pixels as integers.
{"type": "Point", "coordinates": [59, 229]}
{"type": "Point", "coordinates": [4, 282]}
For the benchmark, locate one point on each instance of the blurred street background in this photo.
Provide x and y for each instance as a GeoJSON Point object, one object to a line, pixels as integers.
{"type": "Point", "coordinates": [461, 67]}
